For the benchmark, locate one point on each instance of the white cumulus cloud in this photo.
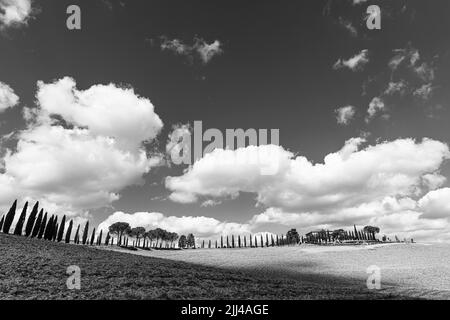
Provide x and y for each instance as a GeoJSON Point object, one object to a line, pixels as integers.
{"type": "Point", "coordinates": [15, 12]}
{"type": "Point", "coordinates": [8, 98]}
{"type": "Point", "coordinates": [355, 63]}
{"type": "Point", "coordinates": [80, 148]}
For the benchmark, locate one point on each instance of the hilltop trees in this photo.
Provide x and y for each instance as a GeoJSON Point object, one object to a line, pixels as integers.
{"type": "Point", "coordinates": [190, 241]}
{"type": "Point", "coordinates": [292, 236]}
{"type": "Point", "coordinates": [85, 233]}
{"type": "Point", "coordinates": [77, 235]}
{"type": "Point", "coordinates": [9, 217]}
{"type": "Point", "coordinates": [69, 231]}
{"type": "Point", "coordinates": [31, 219]}
{"type": "Point", "coordinates": [120, 229]}
{"type": "Point", "coordinates": [19, 225]}
{"type": "Point", "coordinates": [37, 225]}
{"type": "Point", "coordinates": [92, 237]}
{"type": "Point", "coordinates": [42, 226]}
{"type": "Point", "coordinates": [371, 230]}
{"type": "Point", "coordinates": [138, 233]}
{"type": "Point", "coordinates": [61, 229]}
{"type": "Point", "coordinates": [182, 241]}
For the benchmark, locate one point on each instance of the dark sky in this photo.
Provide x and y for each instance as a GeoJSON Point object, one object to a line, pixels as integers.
{"type": "Point", "coordinates": [276, 71]}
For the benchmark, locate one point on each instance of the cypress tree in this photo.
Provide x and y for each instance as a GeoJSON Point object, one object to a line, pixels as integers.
{"type": "Point", "coordinates": [37, 225]}
{"type": "Point", "coordinates": [209, 245]}
{"type": "Point", "coordinates": [221, 241]}
{"type": "Point", "coordinates": [68, 232]}
{"type": "Point", "coordinates": [99, 240]}
{"type": "Point", "coordinates": [278, 242]}
{"type": "Point", "coordinates": [107, 239]}
{"type": "Point", "coordinates": [262, 241]}
{"type": "Point", "coordinates": [239, 240]}
{"type": "Point", "coordinates": [54, 231]}
{"type": "Point", "coordinates": [245, 241]}
{"type": "Point", "coordinates": [273, 241]}
{"type": "Point", "coordinates": [92, 237]}
{"type": "Point", "coordinates": [49, 228]}
{"type": "Point", "coordinates": [1, 222]}
{"type": "Point", "coordinates": [31, 219]}
{"type": "Point", "coordinates": [85, 233]}
{"type": "Point", "coordinates": [251, 244]}
{"type": "Point", "coordinates": [356, 232]}
{"type": "Point", "coordinates": [19, 225]}
{"type": "Point", "coordinates": [9, 218]}
{"type": "Point", "coordinates": [42, 227]}
{"type": "Point", "coordinates": [232, 240]}
{"type": "Point", "coordinates": [77, 235]}
{"type": "Point", "coordinates": [256, 242]}
{"type": "Point", "coordinates": [61, 229]}
{"type": "Point", "coordinates": [216, 243]}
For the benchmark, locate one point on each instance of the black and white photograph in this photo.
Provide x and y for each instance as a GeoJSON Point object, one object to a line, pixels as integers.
{"type": "Point", "coordinates": [224, 154]}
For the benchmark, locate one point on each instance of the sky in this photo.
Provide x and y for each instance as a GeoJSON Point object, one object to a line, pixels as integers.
{"type": "Point", "coordinates": [88, 116]}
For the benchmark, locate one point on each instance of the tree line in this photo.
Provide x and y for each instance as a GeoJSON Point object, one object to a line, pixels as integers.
{"type": "Point", "coordinates": [41, 225]}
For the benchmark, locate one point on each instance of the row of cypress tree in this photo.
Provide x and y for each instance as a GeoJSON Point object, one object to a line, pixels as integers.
{"type": "Point", "coordinates": [39, 225]}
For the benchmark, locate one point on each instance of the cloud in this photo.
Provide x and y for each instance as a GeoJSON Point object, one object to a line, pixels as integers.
{"type": "Point", "coordinates": [207, 51]}
{"type": "Point", "coordinates": [345, 114]}
{"type": "Point", "coordinates": [15, 13]}
{"type": "Point", "coordinates": [408, 56]}
{"type": "Point", "coordinates": [200, 48]}
{"type": "Point", "coordinates": [346, 178]}
{"type": "Point", "coordinates": [403, 216]}
{"type": "Point", "coordinates": [348, 26]}
{"type": "Point", "coordinates": [355, 63]}
{"type": "Point", "coordinates": [399, 87]}
{"type": "Point", "coordinates": [202, 227]}
{"type": "Point", "coordinates": [425, 72]}
{"type": "Point", "coordinates": [375, 106]}
{"type": "Point", "coordinates": [80, 148]}
{"type": "Point", "coordinates": [436, 204]}
{"type": "Point", "coordinates": [210, 203]}
{"type": "Point", "coordinates": [424, 92]}
{"type": "Point", "coordinates": [8, 98]}
{"type": "Point", "coordinates": [355, 2]}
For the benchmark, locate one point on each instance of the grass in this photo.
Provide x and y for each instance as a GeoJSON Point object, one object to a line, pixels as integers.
{"type": "Point", "coordinates": [36, 269]}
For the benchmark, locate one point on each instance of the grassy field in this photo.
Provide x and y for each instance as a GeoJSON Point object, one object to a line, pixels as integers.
{"type": "Point", "coordinates": [36, 269]}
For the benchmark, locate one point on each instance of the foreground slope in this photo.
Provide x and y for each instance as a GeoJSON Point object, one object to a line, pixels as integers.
{"type": "Point", "coordinates": [36, 269]}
